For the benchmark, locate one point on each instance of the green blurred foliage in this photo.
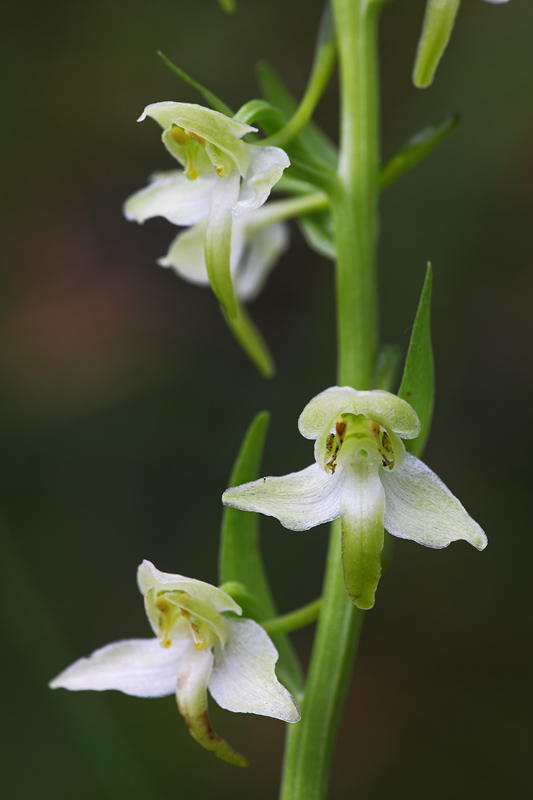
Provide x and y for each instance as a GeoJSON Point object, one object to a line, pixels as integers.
{"type": "Point", "coordinates": [125, 399]}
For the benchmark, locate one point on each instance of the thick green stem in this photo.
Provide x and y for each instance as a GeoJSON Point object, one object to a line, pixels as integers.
{"type": "Point", "coordinates": [354, 203]}
{"type": "Point", "coordinates": [310, 741]}
{"type": "Point", "coordinates": [354, 209]}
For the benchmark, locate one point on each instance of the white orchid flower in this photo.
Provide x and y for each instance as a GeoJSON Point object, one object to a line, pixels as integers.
{"type": "Point", "coordinates": [254, 252]}
{"type": "Point", "coordinates": [223, 177]}
{"type": "Point", "coordinates": [197, 646]}
{"type": "Point", "coordinates": [363, 475]}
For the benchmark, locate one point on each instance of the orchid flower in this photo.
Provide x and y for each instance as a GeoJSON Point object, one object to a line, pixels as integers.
{"type": "Point", "coordinates": [364, 475]}
{"type": "Point", "coordinates": [196, 647]}
{"type": "Point", "coordinates": [222, 178]}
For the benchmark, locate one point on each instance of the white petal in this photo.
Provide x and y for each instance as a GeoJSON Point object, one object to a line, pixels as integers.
{"type": "Point", "coordinates": [139, 667]}
{"type": "Point", "coordinates": [265, 246]}
{"type": "Point", "coordinates": [186, 255]}
{"type": "Point", "coordinates": [243, 677]}
{"type": "Point", "coordinates": [177, 198]}
{"type": "Point", "coordinates": [299, 500]}
{"type": "Point", "coordinates": [420, 507]}
{"type": "Point", "coordinates": [265, 170]}
{"type": "Point", "coordinates": [148, 576]}
{"type": "Point", "coordinates": [386, 408]}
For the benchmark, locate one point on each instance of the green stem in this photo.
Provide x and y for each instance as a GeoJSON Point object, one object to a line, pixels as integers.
{"type": "Point", "coordinates": [310, 742]}
{"type": "Point", "coordinates": [354, 208]}
{"type": "Point", "coordinates": [280, 210]}
{"type": "Point", "coordinates": [318, 81]}
{"type": "Point", "coordinates": [354, 202]}
{"type": "Point", "coordinates": [294, 620]}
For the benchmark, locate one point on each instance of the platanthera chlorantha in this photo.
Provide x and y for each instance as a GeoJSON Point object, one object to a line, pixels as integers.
{"type": "Point", "coordinates": [362, 474]}
{"type": "Point", "coordinates": [199, 644]}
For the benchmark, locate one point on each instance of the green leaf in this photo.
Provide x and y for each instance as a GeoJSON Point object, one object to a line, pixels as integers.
{"type": "Point", "coordinates": [209, 97]}
{"type": "Point", "coordinates": [416, 149]}
{"type": "Point", "coordinates": [318, 232]}
{"type": "Point", "coordinates": [436, 31]}
{"type": "Point", "coordinates": [387, 368]}
{"type": "Point", "coordinates": [240, 557]}
{"type": "Point", "coordinates": [417, 386]}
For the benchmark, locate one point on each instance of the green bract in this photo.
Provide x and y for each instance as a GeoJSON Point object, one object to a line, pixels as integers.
{"type": "Point", "coordinates": [363, 475]}
{"type": "Point", "coordinates": [222, 178]}
{"type": "Point", "coordinates": [196, 647]}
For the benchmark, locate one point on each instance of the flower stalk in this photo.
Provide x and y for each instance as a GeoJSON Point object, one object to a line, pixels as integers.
{"type": "Point", "coordinates": [354, 206]}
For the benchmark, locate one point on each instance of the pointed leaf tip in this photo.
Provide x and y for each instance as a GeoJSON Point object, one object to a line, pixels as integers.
{"type": "Point", "coordinates": [417, 386]}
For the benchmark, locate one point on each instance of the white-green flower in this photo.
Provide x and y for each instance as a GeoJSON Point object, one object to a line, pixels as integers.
{"type": "Point", "coordinates": [197, 646]}
{"type": "Point", "coordinates": [222, 178]}
{"type": "Point", "coordinates": [363, 475]}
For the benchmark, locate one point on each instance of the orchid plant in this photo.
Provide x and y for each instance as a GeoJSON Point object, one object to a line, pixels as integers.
{"type": "Point", "coordinates": [369, 430]}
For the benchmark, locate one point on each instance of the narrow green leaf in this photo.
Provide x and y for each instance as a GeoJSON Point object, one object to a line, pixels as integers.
{"type": "Point", "coordinates": [416, 149]}
{"type": "Point", "coordinates": [417, 385]}
{"type": "Point", "coordinates": [209, 97]}
{"type": "Point", "coordinates": [318, 232]}
{"type": "Point", "coordinates": [387, 368]}
{"type": "Point", "coordinates": [240, 557]}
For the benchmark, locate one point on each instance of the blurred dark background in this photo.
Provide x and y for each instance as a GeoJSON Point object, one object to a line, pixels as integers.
{"type": "Point", "coordinates": [124, 400]}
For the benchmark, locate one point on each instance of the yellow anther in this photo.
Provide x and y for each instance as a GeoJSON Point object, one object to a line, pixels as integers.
{"type": "Point", "coordinates": [167, 643]}
{"type": "Point", "coordinates": [162, 604]}
{"type": "Point", "coordinates": [179, 136]}
{"type": "Point", "coordinates": [192, 174]}
{"type": "Point", "coordinates": [220, 172]}
{"type": "Point", "coordinates": [198, 645]}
